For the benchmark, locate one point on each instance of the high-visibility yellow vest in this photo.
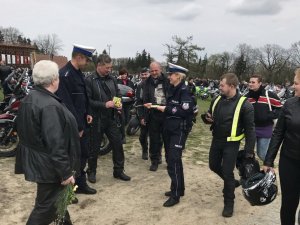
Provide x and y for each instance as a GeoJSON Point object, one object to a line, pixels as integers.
{"type": "Point", "coordinates": [235, 121]}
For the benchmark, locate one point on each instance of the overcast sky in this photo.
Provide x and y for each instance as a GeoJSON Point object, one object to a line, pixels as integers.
{"type": "Point", "coordinates": [130, 26]}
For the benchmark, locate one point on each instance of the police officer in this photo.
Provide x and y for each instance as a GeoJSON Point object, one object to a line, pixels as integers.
{"type": "Point", "coordinates": [232, 119]}
{"type": "Point", "coordinates": [101, 89]}
{"type": "Point", "coordinates": [155, 94]}
{"type": "Point", "coordinates": [178, 113]}
{"type": "Point", "coordinates": [141, 112]}
{"type": "Point", "coordinates": [73, 94]}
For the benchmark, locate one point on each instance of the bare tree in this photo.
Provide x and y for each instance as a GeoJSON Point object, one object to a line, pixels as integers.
{"type": "Point", "coordinates": [49, 44]}
{"type": "Point", "coordinates": [246, 60]}
{"type": "Point", "coordinates": [295, 58]}
{"type": "Point", "coordinates": [10, 35]}
{"type": "Point", "coordinates": [273, 58]}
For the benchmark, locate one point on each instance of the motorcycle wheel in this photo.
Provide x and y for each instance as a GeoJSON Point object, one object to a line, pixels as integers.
{"type": "Point", "coordinates": [133, 126]}
{"type": "Point", "coordinates": [9, 148]}
{"type": "Point", "coordinates": [105, 146]}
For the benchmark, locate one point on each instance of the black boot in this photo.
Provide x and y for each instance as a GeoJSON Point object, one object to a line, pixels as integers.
{"type": "Point", "coordinates": [170, 202]}
{"type": "Point", "coordinates": [168, 193]}
{"type": "Point", "coordinates": [91, 175]}
{"type": "Point", "coordinates": [228, 210]}
{"type": "Point", "coordinates": [85, 189]}
{"type": "Point", "coordinates": [154, 166]}
{"type": "Point", "coordinates": [145, 155]}
{"type": "Point", "coordinates": [121, 176]}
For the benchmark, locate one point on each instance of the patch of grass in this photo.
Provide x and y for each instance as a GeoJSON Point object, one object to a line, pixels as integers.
{"type": "Point", "coordinates": [1, 94]}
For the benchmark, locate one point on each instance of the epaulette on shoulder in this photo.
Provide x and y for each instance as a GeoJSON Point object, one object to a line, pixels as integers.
{"type": "Point", "coordinates": [66, 73]}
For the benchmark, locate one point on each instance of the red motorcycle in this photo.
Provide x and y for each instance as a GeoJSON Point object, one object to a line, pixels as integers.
{"type": "Point", "coordinates": [8, 134]}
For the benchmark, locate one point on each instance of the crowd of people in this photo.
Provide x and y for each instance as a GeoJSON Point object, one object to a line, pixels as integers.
{"type": "Point", "coordinates": [61, 120]}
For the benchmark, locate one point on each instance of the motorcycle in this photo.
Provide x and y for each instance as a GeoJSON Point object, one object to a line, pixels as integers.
{"type": "Point", "coordinates": [134, 123]}
{"type": "Point", "coordinates": [8, 134]}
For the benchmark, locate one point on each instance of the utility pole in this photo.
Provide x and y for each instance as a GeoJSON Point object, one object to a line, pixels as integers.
{"type": "Point", "coordinates": [109, 46]}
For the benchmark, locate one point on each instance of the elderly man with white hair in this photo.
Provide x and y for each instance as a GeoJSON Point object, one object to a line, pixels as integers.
{"type": "Point", "coordinates": [49, 149]}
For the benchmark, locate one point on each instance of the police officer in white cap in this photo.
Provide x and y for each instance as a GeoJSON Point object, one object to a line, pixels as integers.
{"type": "Point", "coordinates": [178, 123]}
{"type": "Point", "coordinates": [72, 92]}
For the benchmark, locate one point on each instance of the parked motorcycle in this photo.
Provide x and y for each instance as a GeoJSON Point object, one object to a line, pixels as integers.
{"type": "Point", "coordinates": [8, 134]}
{"type": "Point", "coordinates": [134, 123]}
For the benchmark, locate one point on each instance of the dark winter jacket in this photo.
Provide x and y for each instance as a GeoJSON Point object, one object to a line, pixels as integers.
{"type": "Point", "coordinates": [262, 114]}
{"type": "Point", "coordinates": [286, 132]}
{"type": "Point", "coordinates": [49, 148]}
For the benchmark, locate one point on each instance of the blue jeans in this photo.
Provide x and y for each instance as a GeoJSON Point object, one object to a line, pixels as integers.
{"type": "Point", "coordinates": [262, 145]}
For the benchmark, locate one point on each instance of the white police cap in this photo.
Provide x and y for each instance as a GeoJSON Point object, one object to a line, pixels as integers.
{"type": "Point", "coordinates": [85, 50]}
{"type": "Point", "coordinates": [175, 68]}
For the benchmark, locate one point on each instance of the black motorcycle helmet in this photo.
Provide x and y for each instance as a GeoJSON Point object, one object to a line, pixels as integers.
{"type": "Point", "coordinates": [247, 167]}
{"type": "Point", "coordinates": [261, 188]}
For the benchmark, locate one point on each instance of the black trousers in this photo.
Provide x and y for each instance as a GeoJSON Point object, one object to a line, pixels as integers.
{"type": "Point", "coordinates": [174, 145]}
{"type": "Point", "coordinates": [126, 111]}
{"type": "Point", "coordinates": [94, 143]}
{"type": "Point", "coordinates": [81, 178]}
{"type": "Point", "coordinates": [144, 133]}
{"type": "Point", "coordinates": [44, 211]}
{"type": "Point", "coordinates": [109, 127]}
{"type": "Point", "coordinates": [289, 172]}
{"type": "Point", "coordinates": [156, 121]}
{"type": "Point", "coordinates": [222, 159]}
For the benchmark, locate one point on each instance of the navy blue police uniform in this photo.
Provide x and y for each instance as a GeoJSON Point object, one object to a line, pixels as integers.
{"type": "Point", "coordinates": [72, 92]}
{"type": "Point", "coordinates": [178, 124]}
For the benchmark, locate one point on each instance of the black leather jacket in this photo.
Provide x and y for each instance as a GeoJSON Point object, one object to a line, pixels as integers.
{"type": "Point", "coordinates": [98, 96]}
{"type": "Point", "coordinates": [287, 132]}
{"type": "Point", "coordinates": [149, 86]}
{"type": "Point", "coordinates": [223, 117]}
{"type": "Point", "coordinates": [49, 148]}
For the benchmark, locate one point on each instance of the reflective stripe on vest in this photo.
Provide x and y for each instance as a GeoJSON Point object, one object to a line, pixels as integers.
{"type": "Point", "coordinates": [235, 121]}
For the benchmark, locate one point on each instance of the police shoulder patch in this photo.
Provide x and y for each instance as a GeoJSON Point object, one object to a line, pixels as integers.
{"type": "Point", "coordinates": [174, 110]}
{"type": "Point", "coordinates": [185, 106]}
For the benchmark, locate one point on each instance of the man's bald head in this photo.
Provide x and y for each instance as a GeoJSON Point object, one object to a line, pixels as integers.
{"type": "Point", "coordinates": [155, 69]}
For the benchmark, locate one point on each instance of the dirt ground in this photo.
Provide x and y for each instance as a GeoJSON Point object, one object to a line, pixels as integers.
{"type": "Point", "coordinates": [140, 200]}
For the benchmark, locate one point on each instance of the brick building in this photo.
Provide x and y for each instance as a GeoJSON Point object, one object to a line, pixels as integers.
{"type": "Point", "coordinates": [25, 56]}
{"type": "Point", "coordinates": [16, 55]}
